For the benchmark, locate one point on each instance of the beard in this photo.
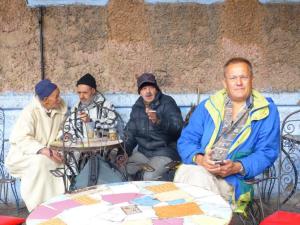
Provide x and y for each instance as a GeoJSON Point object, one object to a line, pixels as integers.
{"type": "Point", "coordinates": [86, 103]}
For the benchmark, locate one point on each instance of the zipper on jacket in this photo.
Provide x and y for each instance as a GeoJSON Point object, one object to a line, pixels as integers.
{"type": "Point", "coordinates": [220, 118]}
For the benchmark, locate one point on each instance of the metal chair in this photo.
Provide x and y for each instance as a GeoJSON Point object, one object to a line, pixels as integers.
{"type": "Point", "coordinates": [6, 180]}
{"type": "Point", "coordinates": [171, 168]}
{"type": "Point", "coordinates": [283, 174]}
{"type": "Point", "coordinates": [290, 145]}
{"type": "Point", "coordinates": [288, 174]}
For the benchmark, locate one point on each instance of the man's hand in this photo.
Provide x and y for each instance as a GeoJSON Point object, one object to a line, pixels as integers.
{"type": "Point", "coordinates": [207, 163]}
{"type": "Point", "coordinates": [51, 154]}
{"type": "Point", "coordinates": [226, 168]}
{"type": "Point", "coordinates": [152, 115]}
{"type": "Point", "coordinates": [67, 137]}
{"type": "Point", "coordinates": [84, 117]}
{"type": "Point", "coordinates": [121, 160]}
{"type": "Point", "coordinates": [229, 167]}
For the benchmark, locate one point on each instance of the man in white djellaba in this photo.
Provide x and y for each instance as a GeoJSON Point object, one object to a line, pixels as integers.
{"type": "Point", "coordinates": [30, 157]}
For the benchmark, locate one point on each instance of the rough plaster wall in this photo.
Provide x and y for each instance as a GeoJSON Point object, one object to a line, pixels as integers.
{"type": "Point", "coordinates": [184, 44]}
{"type": "Point", "coordinates": [19, 49]}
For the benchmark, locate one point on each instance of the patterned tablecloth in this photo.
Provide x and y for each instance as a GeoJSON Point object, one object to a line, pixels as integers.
{"type": "Point", "coordinates": [134, 203]}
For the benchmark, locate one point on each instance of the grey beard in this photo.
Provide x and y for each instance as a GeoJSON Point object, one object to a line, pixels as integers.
{"type": "Point", "coordinates": [85, 104]}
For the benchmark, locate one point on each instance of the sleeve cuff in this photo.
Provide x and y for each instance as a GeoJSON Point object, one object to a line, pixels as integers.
{"type": "Point", "coordinates": [194, 158]}
{"type": "Point", "coordinates": [242, 170]}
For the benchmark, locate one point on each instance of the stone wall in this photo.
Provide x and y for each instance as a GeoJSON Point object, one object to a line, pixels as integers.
{"type": "Point", "coordinates": [184, 44]}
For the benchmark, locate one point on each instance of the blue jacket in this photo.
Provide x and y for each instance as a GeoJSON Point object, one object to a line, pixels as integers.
{"type": "Point", "coordinates": [256, 146]}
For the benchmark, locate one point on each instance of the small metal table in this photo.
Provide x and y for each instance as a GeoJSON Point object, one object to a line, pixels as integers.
{"type": "Point", "coordinates": [76, 154]}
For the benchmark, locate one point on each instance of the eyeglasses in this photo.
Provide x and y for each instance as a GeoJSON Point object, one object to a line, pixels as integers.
{"type": "Point", "coordinates": [234, 78]}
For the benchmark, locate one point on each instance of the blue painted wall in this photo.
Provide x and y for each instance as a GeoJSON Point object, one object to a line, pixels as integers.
{"type": "Point", "coordinates": [13, 103]}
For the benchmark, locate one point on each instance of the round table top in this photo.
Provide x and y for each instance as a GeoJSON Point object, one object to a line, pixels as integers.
{"type": "Point", "coordinates": [85, 144]}
{"type": "Point", "coordinates": [135, 203]}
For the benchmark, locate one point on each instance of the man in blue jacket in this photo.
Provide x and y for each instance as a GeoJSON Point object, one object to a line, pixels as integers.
{"type": "Point", "coordinates": [231, 137]}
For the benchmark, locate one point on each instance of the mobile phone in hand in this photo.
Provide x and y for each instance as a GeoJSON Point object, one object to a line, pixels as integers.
{"type": "Point", "coordinates": [219, 162]}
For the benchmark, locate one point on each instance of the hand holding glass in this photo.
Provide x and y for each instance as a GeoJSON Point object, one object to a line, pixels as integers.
{"type": "Point", "coordinates": [90, 130]}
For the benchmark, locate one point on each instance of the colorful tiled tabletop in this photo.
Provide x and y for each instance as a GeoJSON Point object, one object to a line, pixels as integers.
{"type": "Point", "coordinates": [134, 203]}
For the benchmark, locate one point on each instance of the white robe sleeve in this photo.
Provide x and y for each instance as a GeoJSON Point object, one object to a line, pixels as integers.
{"type": "Point", "coordinates": [23, 134]}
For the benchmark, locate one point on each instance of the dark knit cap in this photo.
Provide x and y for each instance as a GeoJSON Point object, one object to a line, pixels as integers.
{"type": "Point", "coordinates": [146, 79]}
{"type": "Point", "coordinates": [44, 88]}
{"type": "Point", "coordinates": [87, 79]}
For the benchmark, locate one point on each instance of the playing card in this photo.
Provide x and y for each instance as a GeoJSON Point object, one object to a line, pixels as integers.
{"type": "Point", "coordinates": [130, 209]}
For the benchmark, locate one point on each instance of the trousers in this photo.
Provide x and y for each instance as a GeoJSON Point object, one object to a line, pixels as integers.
{"type": "Point", "coordinates": [199, 176]}
{"type": "Point", "coordinates": [158, 163]}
